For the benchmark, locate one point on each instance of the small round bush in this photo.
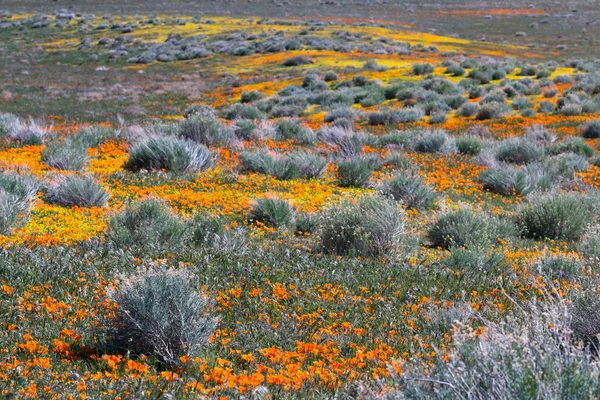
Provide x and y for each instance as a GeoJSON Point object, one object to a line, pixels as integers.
{"type": "Point", "coordinates": [147, 222]}
{"type": "Point", "coordinates": [560, 267]}
{"type": "Point", "coordinates": [572, 145]}
{"type": "Point", "coordinates": [330, 76]}
{"type": "Point", "coordinates": [12, 210]}
{"type": "Point", "coordinates": [369, 226]}
{"type": "Point", "coordinates": [205, 129]}
{"type": "Point", "coordinates": [431, 143]}
{"type": "Point", "coordinates": [205, 229]}
{"type": "Point", "coordinates": [468, 145]}
{"type": "Point", "coordinates": [591, 130]}
{"type": "Point", "coordinates": [251, 96]}
{"type": "Point", "coordinates": [240, 111]}
{"type": "Point", "coordinates": [169, 154]}
{"type": "Point", "coordinates": [491, 110]}
{"type": "Point", "coordinates": [519, 152]}
{"type": "Point", "coordinates": [560, 217]}
{"type": "Point", "coordinates": [272, 212]}
{"type": "Point", "coordinates": [422, 69]}
{"type": "Point", "coordinates": [589, 246]}
{"type": "Point", "coordinates": [297, 60]}
{"type": "Point", "coordinates": [411, 191]}
{"type": "Point", "coordinates": [161, 314]}
{"type": "Point", "coordinates": [468, 109]}
{"type": "Point", "coordinates": [460, 228]}
{"type": "Point", "coordinates": [353, 173]}
{"type": "Point", "coordinates": [77, 191]}
{"type": "Point", "coordinates": [65, 155]}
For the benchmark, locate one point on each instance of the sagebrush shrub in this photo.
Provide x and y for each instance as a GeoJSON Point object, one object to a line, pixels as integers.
{"type": "Point", "coordinates": [353, 173]}
{"type": "Point", "coordinates": [25, 133]}
{"type": "Point", "coordinates": [468, 109]}
{"type": "Point", "coordinates": [170, 154]}
{"type": "Point", "coordinates": [519, 151]}
{"type": "Point", "coordinates": [559, 217]}
{"type": "Point", "coordinates": [206, 229]}
{"type": "Point", "coordinates": [515, 181]}
{"type": "Point", "coordinates": [468, 146]}
{"type": "Point", "coordinates": [572, 145]}
{"type": "Point", "coordinates": [491, 110]}
{"type": "Point", "coordinates": [369, 226]}
{"type": "Point", "coordinates": [460, 228]}
{"type": "Point", "coordinates": [65, 155]}
{"type": "Point", "coordinates": [297, 60]}
{"type": "Point", "coordinates": [560, 267]}
{"type": "Point", "coordinates": [160, 313]}
{"type": "Point", "coordinates": [533, 354]}
{"type": "Point", "coordinates": [422, 69]}
{"type": "Point", "coordinates": [146, 222]}
{"type": "Point", "coordinates": [272, 212]}
{"type": "Point", "coordinates": [77, 191]}
{"type": "Point", "coordinates": [344, 140]}
{"type": "Point", "coordinates": [206, 129]}
{"type": "Point", "coordinates": [411, 191]}
{"type": "Point", "coordinates": [591, 130]}
{"type": "Point", "coordinates": [12, 209]}
{"type": "Point", "coordinates": [589, 246]}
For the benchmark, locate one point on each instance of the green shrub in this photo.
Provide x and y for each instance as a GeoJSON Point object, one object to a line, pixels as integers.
{"type": "Point", "coordinates": [591, 130]}
{"type": "Point", "coordinates": [460, 228]}
{"type": "Point", "coordinates": [330, 76]}
{"type": "Point", "coordinates": [65, 155]}
{"type": "Point", "coordinates": [422, 69]}
{"type": "Point", "coordinates": [76, 191]}
{"type": "Point", "coordinates": [288, 129]}
{"type": "Point", "coordinates": [169, 154]}
{"type": "Point", "coordinates": [468, 109]}
{"type": "Point", "coordinates": [244, 129]}
{"type": "Point", "coordinates": [434, 142]}
{"type": "Point", "coordinates": [477, 261]}
{"type": "Point", "coordinates": [589, 246]}
{"type": "Point", "coordinates": [411, 191]}
{"type": "Point", "coordinates": [161, 314]}
{"type": "Point", "coordinates": [468, 145]}
{"type": "Point", "coordinates": [93, 136]}
{"type": "Point", "coordinates": [205, 129]}
{"type": "Point", "coordinates": [369, 226]}
{"type": "Point", "coordinates": [309, 165]}
{"type": "Point", "coordinates": [559, 217]}
{"type": "Point", "coordinates": [251, 96]}
{"type": "Point", "coordinates": [511, 181]}
{"type": "Point", "coordinates": [560, 267]}
{"type": "Point", "coordinates": [585, 322]}
{"type": "Point", "coordinates": [306, 224]}
{"type": "Point", "coordinates": [532, 354]}
{"type": "Point", "coordinates": [572, 145]}
{"type": "Point", "coordinates": [297, 60]}
{"type": "Point", "coordinates": [519, 151]}
{"type": "Point", "coordinates": [206, 229]}
{"type": "Point", "coordinates": [353, 173]}
{"type": "Point", "coordinates": [22, 186]}
{"type": "Point", "coordinates": [345, 141]}
{"type": "Point", "coordinates": [571, 109]}
{"type": "Point", "coordinates": [491, 110]}
{"type": "Point", "coordinates": [147, 222]}
{"type": "Point", "coordinates": [24, 133]}
{"type": "Point", "coordinates": [272, 212]}
{"type": "Point", "coordinates": [438, 117]}
{"type": "Point", "coordinates": [241, 111]}
{"type": "Point", "coordinates": [12, 211]}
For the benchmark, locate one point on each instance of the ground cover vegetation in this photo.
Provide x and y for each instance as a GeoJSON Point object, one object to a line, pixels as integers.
{"type": "Point", "coordinates": [291, 208]}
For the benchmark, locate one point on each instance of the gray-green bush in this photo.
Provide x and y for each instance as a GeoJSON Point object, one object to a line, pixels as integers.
{"type": "Point", "coordinates": [161, 314]}
{"type": "Point", "coordinates": [370, 226]}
